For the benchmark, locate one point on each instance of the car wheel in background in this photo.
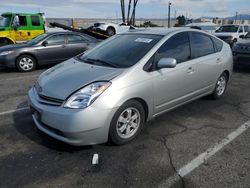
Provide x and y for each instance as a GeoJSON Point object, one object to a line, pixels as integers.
{"type": "Point", "coordinates": [220, 87]}
{"type": "Point", "coordinates": [25, 63]}
{"type": "Point", "coordinates": [127, 122]}
{"type": "Point", "coordinates": [110, 31]}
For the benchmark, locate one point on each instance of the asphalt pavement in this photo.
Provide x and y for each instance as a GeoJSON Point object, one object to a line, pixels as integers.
{"type": "Point", "coordinates": [29, 158]}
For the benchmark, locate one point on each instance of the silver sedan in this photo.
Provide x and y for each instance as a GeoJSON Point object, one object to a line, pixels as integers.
{"type": "Point", "coordinates": [108, 93]}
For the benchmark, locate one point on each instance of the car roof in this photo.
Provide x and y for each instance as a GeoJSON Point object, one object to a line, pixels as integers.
{"type": "Point", "coordinates": [71, 32]}
{"type": "Point", "coordinates": [160, 31]}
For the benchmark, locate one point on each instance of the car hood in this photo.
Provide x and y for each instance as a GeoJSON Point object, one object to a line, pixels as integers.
{"type": "Point", "coordinates": [13, 47]}
{"type": "Point", "coordinates": [62, 80]}
{"type": "Point", "coordinates": [225, 34]}
{"type": "Point", "coordinates": [244, 42]}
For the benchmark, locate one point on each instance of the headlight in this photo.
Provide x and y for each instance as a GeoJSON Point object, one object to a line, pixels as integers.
{"type": "Point", "coordinates": [87, 95]}
{"type": "Point", "coordinates": [6, 53]}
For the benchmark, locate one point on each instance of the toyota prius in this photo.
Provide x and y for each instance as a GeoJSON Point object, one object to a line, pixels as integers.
{"type": "Point", "coordinates": [111, 91]}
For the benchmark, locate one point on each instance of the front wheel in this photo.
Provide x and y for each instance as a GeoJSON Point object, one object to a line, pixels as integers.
{"type": "Point", "coordinates": [127, 122]}
{"type": "Point", "coordinates": [25, 63]}
{"type": "Point", "coordinates": [220, 87]}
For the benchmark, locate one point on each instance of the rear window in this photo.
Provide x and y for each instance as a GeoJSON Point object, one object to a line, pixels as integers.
{"type": "Point", "coordinates": [75, 38]}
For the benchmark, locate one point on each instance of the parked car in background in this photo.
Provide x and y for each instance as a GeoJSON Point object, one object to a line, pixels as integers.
{"type": "Point", "coordinates": [47, 48]}
{"type": "Point", "coordinates": [204, 26]}
{"type": "Point", "coordinates": [111, 28]}
{"type": "Point", "coordinates": [109, 92]}
{"type": "Point", "coordinates": [20, 27]}
{"type": "Point", "coordinates": [232, 33]}
{"type": "Point", "coordinates": [241, 52]}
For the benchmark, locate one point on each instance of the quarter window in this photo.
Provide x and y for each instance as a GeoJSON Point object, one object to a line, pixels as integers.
{"type": "Point", "coordinates": [176, 47]}
{"type": "Point", "coordinates": [201, 45]}
{"type": "Point", "coordinates": [218, 44]}
{"type": "Point", "coordinates": [35, 20]}
{"type": "Point", "coordinates": [56, 39]}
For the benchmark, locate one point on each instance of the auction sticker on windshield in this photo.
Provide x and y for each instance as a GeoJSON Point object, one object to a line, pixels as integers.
{"type": "Point", "coordinates": [144, 40]}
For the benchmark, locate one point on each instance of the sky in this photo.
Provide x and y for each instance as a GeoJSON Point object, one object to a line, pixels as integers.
{"type": "Point", "coordinates": [111, 8]}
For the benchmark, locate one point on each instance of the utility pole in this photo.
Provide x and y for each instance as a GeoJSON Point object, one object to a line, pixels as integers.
{"type": "Point", "coordinates": [236, 17]}
{"type": "Point", "coordinates": [169, 4]}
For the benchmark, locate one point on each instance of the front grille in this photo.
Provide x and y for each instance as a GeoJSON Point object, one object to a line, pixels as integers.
{"type": "Point", "coordinates": [49, 100]}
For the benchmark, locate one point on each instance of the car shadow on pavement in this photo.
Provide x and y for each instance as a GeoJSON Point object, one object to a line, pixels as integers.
{"type": "Point", "coordinates": [24, 124]}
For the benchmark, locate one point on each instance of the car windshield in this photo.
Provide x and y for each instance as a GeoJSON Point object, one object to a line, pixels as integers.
{"type": "Point", "coordinates": [38, 38]}
{"type": "Point", "coordinates": [5, 22]}
{"type": "Point", "coordinates": [228, 29]}
{"type": "Point", "coordinates": [247, 35]}
{"type": "Point", "coordinates": [121, 51]}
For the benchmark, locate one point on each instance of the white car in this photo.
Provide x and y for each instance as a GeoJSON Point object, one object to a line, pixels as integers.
{"type": "Point", "coordinates": [204, 26]}
{"type": "Point", "coordinates": [111, 28]}
{"type": "Point", "coordinates": [232, 33]}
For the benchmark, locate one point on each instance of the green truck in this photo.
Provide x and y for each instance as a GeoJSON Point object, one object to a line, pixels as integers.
{"type": "Point", "coordinates": [20, 27]}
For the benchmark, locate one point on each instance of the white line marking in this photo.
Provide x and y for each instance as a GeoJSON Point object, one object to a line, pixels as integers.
{"type": "Point", "coordinates": [211, 151]}
{"type": "Point", "coordinates": [203, 157]}
{"type": "Point", "coordinates": [20, 77]}
{"type": "Point", "coordinates": [13, 111]}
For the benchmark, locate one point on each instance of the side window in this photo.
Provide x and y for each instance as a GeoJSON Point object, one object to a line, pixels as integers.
{"type": "Point", "coordinates": [75, 39]}
{"type": "Point", "coordinates": [35, 21]}
{"type": "Point", "coordinates": [22, 21]}
{"type": "Point", "coordinates": [56, 39]}
{"type": "Point", "coordinates": [246, 28]}
{"type": "Point", "coordinates": [176, 47]}
{"type": "Point", "coordinates": [201, 45]}
{"type": "Point", "coordinates": [218, 44]}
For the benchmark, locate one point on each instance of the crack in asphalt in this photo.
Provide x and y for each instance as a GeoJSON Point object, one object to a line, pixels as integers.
{"type": "Point", "coordinates": [171, 161]}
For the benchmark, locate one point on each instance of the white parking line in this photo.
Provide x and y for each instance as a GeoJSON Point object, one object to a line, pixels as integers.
{"type": "Point", "coordinates": [16, 78]}
{"type": "Point", "coordinates": [13, 111]}
{"type": "Point", "coordinates": [203, 157]}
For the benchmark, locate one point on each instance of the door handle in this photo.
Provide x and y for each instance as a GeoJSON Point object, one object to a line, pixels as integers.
{"type": "Point", "coordinates": [190, 70]}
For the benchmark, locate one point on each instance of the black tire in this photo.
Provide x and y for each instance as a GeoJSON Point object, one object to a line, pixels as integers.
{"type": "Point", "coordinates": [218, 91]}
{"type": "Point", "coordinates": [110, 31]}
{"type": "Point", "coordinates": [115, 134]}
{"type": "Point", "coordinates": [26, 63]}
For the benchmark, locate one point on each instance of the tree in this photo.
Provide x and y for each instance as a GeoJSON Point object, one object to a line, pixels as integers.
{"type": "Point", "coordinates": [181, 20]}
{"type": "Point", "coordinates": [130, 16]}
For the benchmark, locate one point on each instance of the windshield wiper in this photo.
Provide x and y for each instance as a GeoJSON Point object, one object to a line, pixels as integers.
{"type": "Point", "coordinates": [100, 61]}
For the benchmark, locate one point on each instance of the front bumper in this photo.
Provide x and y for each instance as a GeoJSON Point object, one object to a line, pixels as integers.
{"type": "Point", "coordinates": [7, 61]}
{"type": "Point", "coordinates": [241, 58]}
{"type": "Point", "coordinates": [73, 126]}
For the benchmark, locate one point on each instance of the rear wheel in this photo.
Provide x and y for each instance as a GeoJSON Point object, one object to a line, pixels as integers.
{"type": "Point", "coordinates": [127, 122]}
{"type": "Point", "coordinates": [25, 63]}
{"type": "Point", "coordinates": [220, 87]}
{"type": "Point", "coordinates": [111, 31]}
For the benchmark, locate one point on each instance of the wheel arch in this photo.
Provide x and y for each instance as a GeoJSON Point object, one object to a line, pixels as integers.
{"type": "Point", "coordinates": [30, 54]}
{"type": "Point", "coordinates": [8, 38]}
{"type": "Point", "coordinates": [144, 105]}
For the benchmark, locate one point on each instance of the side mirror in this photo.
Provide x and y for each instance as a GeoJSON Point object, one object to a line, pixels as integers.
{"type": "Point", "coordinates": [166, 63]}
{"type": "Point", "coordinates": [45, 43]}
{"type": "Point", "coordinates": [16, 22]}
{"type": "Point", "coordinates": [241, 36]}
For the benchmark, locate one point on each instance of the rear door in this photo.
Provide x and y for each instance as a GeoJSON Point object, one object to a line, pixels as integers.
{"type": "Point", "coordinates": [76, 44]}
{"type": "Point", "coordinates": [173, 86]}
{"type": "Point", "coordinates": [208, 61]}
